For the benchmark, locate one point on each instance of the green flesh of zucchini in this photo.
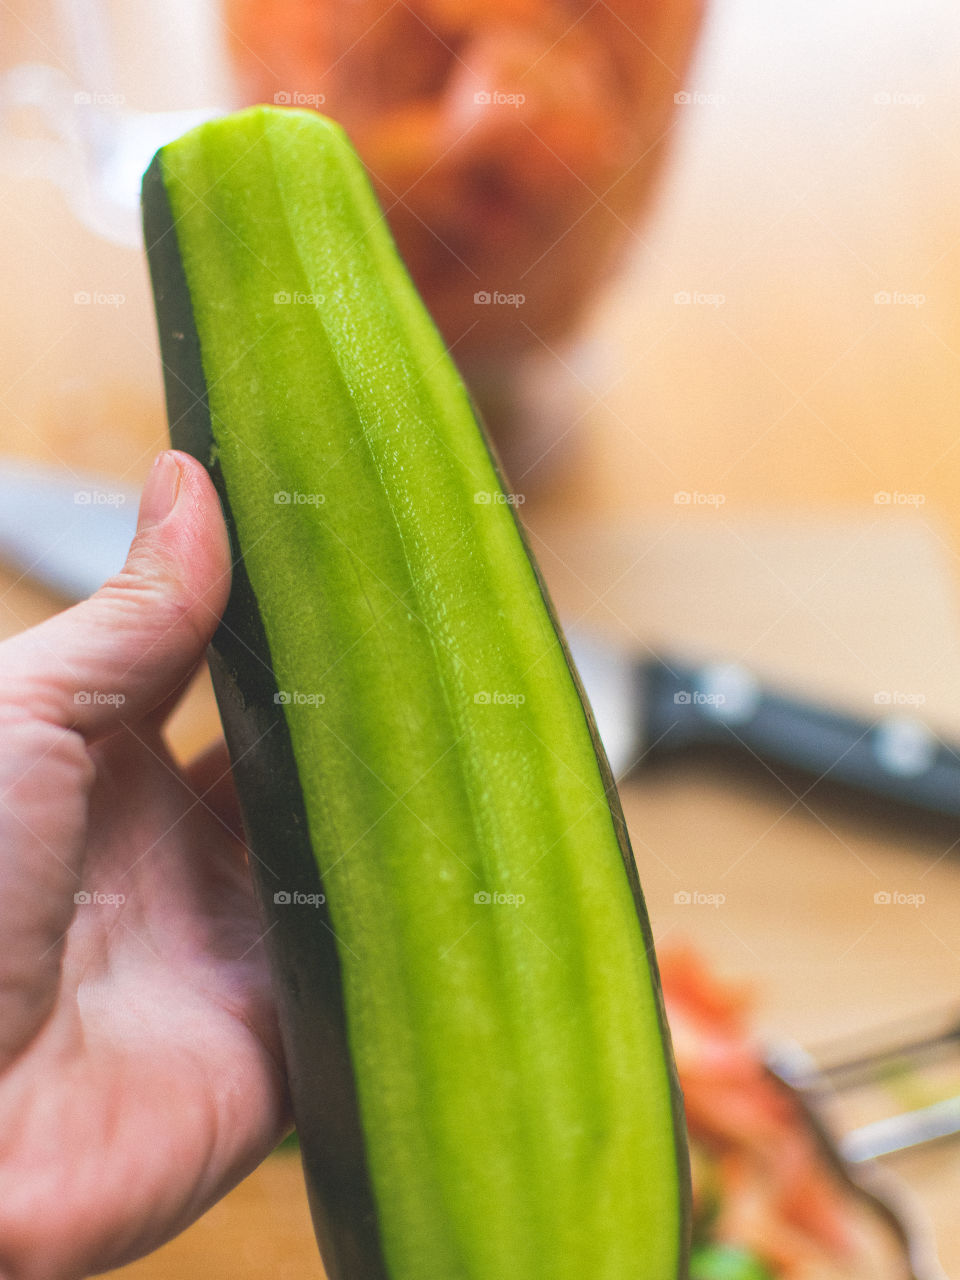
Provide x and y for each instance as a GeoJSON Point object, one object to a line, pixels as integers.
{"type": "Point", "coordinates": [479, 1063]}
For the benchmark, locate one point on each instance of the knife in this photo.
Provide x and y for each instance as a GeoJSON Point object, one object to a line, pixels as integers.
{"type": "Point", "coordinates": [660, 706]}
{"type": "Point", "coordinates": [66, 530]}
{"type": "Point", "coordinates": [70, 532]}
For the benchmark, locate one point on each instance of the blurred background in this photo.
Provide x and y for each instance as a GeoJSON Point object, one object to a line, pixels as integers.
{"type": "Point", "coordinates": [701, 267]}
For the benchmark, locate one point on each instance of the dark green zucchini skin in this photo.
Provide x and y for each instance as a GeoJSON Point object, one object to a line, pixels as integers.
{"type": "Point", "coordinates": [308, 965]}
{"type": "Point", "coordinates": [300, 941]}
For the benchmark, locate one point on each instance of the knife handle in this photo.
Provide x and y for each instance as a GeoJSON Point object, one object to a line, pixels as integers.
{"type": "Point", "coordinates": [893, 757]}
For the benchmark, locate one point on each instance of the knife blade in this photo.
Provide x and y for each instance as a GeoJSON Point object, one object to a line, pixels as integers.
{"type": "Point", "coordinates": [68, 531]}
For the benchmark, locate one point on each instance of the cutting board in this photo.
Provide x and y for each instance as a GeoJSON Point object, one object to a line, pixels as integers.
{"type": "Point", "coordinates": [860, 613]}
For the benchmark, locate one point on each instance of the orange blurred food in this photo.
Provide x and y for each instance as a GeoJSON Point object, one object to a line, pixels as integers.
{"type": "Point", "coordinates": [762, 1178]}
{"type": "Point", "coordinates": [513, 144]}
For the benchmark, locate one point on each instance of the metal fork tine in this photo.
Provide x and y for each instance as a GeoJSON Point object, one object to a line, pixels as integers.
{"type": "Point", "coordinates": [846, 1073]}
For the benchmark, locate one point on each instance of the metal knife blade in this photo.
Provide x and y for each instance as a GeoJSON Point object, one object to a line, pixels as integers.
{"type": "Point", "coordinates": [67, 531]}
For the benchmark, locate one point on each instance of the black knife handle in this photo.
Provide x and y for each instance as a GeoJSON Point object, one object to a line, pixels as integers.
{"type": "Point", "coordinates": [894, 756]}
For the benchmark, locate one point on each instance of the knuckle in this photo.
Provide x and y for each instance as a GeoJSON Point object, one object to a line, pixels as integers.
{"type": "Point", "coordinates": [32, 742]}
{"type": "Point", "coordinates": [144, 587]}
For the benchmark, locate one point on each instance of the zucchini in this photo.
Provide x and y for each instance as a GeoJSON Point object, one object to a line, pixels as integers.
{"type": "Point", "coordinates": [479, 1063]}
{"type": "Point", "coordinates": [726, 1262]}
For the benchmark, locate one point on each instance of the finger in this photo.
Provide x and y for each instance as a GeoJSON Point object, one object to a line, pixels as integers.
{"type": "Point", "coordinates": [209, 777]}
{"type": "Point", "coordinates": [116, 656]}
{"type": "Point", "coordinates": [46, 775]}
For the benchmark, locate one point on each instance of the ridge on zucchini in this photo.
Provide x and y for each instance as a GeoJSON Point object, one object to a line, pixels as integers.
{"type": "Point", "coordinates": [480, 1067]}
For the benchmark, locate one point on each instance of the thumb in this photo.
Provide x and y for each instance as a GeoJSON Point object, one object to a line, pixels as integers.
{"type": "Point", "coordinates": [116, 656]}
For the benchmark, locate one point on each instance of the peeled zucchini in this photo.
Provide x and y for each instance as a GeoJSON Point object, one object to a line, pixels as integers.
{"type": "Point", "coordinates": [480, 1067]}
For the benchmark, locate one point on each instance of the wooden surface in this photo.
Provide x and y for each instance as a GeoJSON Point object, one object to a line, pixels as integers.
{"type": "Point", "coordinates": [798, 194]}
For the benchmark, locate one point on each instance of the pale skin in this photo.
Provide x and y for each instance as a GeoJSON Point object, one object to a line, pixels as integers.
{"type": "Point", "coordinates": [141, 1073]}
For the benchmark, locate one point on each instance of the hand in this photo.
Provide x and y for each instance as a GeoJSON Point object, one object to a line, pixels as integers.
{"type": "Point", "coordinates": [140, 1067]}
